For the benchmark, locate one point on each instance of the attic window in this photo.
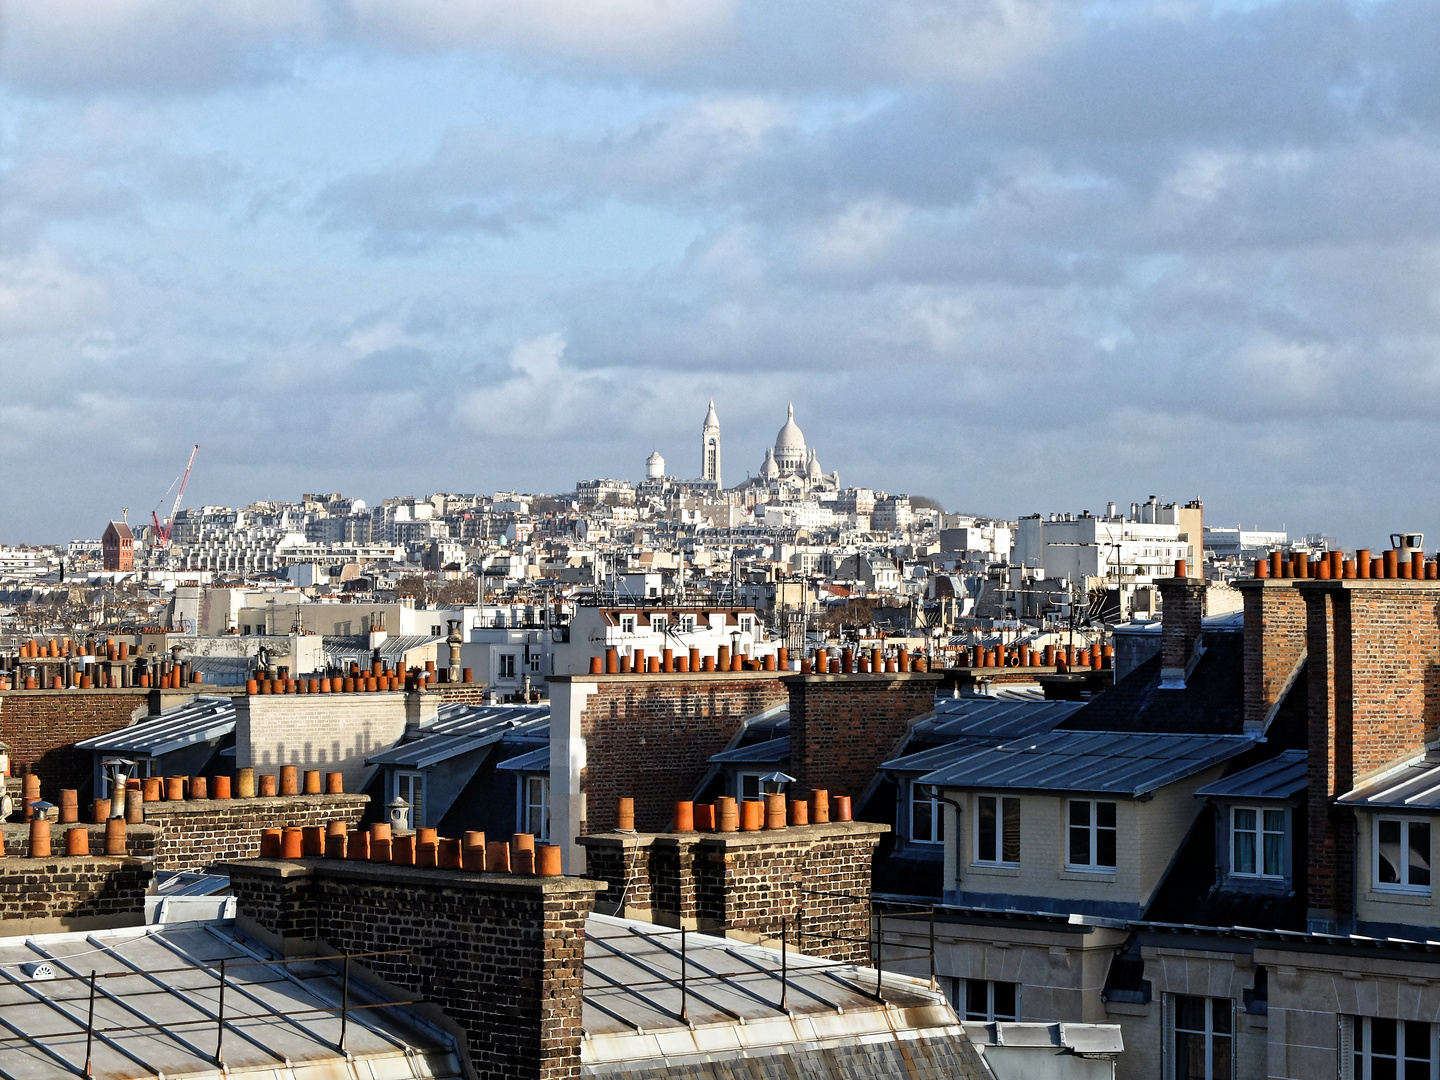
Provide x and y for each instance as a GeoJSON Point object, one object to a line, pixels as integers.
{"type": "Point", "coordinates": [658, 623]}
{"type": "Point", "coordinates": [687, 623]}
{"type": "Point", "coordinates": [627, 624]}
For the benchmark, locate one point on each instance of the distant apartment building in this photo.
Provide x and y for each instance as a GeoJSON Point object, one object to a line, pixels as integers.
{"type": "Point", "coordinates": [118, 547]}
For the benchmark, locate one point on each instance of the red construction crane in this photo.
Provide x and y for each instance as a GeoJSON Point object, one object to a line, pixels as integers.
{"type": "Point", "coordinates": [162, 529]}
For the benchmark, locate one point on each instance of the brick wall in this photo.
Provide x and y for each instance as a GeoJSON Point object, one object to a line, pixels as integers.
{"type": "Point", "coordinates": [140, 840]}
{"type": "Point", "coordinates": [1275, 631]}
{"type": "Point", "coordinates": [503, 956]}
{"type": "Point", "coordinates": [1374, 698]}
{"type": "Point", "coordinates": [196, 833]}
{"type": "Point", "coordinates": [744, 884]}
{"type": "Point", "coordinates": [1183, 606]}
{"type": "Point", "coordinates": [81, 893]}
{"type": "Point", "coordinates": [328, 732]}
{"type": "Point", "coordinates": [843, 726]}
{"type": "Point", "coordinates": [42, 727]}
{"type": "Point", "coordinates": [651, 736]}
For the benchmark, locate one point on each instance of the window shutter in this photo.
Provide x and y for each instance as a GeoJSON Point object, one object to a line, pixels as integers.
{"type": "Point", "coordinates": [1346, 1042]}
{"type": "Point", "coordinates": [1167, 1036]}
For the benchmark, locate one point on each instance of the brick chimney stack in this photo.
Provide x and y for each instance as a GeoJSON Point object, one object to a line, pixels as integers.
{"type": "Point", "coordinates": [1182, 601]}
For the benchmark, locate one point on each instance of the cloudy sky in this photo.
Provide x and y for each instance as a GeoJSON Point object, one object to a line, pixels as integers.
{"type": "Point", "coordinates": [1013, 254]}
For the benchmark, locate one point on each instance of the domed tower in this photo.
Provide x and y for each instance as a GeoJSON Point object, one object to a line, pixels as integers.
{"type": "Point", "coordinates": [790, 446]}
{"type": "Point", "coordinates": [710, 447]}
{"type": "Point", "coordinates": [654, 466]}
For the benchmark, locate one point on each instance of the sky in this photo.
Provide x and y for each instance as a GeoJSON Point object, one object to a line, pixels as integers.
{"type": "Point", "coordinates": [1016, 255]}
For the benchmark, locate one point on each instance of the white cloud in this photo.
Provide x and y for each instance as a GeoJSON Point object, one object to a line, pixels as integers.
{"type": "Point", "coordinates": [40, 293]}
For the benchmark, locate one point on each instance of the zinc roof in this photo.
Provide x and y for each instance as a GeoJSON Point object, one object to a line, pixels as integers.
{"type": "Point", "coordinates": [201, 720]}
{"type": "Point", "coordinates": [462, 728]}
{"type": "Point", "coordinates": [1282, 777]}
{"type": "Point", "coordinates": [1108, 762]}
{"type": "Point", "coordinates": [995, 717]}
{"type": "Point", "coordinates": [157, 1011]}
{"type": "Point", "coordinates": [536, 761]}
{"type": "Point", "coordinates": [1413, 785]}
{"type": "Point", "coordinates": [767, 752]}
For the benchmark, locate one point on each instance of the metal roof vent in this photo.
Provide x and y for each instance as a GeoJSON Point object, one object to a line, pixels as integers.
{"type": "Point", "coordinates": [39, 970]}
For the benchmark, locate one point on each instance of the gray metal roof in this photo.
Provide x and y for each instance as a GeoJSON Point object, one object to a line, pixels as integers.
{"type": "Point", "coordinates": [995, 717]}
{"type": "Point", "coordinates": [536, 761]}
{"type": "Point", "coordinates": [201, 720]}
{"type": "Point", "coordinates": [633, 999]}
{"type": "Point", "coordinates": [763, 753]}
{"type": "Point", "coordinates": [155, 1001]}
{"type": "Point", "coordinates": [1413, 785]}
{"type": "Point", "coordinates": [1107, 762]}
{"type": "Point", "coordinates": [391, 649]}
{"type": "Point", "coordinates": [1282, 777]}
{"type": "Point", "coordinates": [462, 728]}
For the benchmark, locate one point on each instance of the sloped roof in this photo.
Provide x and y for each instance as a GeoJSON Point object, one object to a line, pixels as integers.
{"type": "Point", "coordinates": [536, 761]}
{"type": "Point", "coordinates": [1212, 702]}
{"type": "Point", "coordinates": [1107, 762]}
{"type": "Point", "coordinates": [764, 753]}
{"type": "Point", "coordinates": [201, 720]}
{"type": "Point", "coordinates": [462, 728]}
{"type": "Point", "coordinates": [1282, 777]}
{"type": "Point", "coordinates": [1412, 785]}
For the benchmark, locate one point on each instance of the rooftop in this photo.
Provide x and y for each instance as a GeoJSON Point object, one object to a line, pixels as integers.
{"type": "Point", "coordinates": [1108, 762]}
{"type": "Point", "coordinates": [1282, 777]}
{"type": "Point", "coordinates": [201, 720]}
{"type": "Point", "coordinates": [1412, 785]}
{"type": "Point", "coordinates": [460, 728]}
{"type": "Point", "coordinates": [157, 1001]}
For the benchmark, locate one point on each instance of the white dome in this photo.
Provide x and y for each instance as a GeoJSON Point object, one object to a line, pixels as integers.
{"type": "Point", "coordinates": [790, 438]}
{"type": "Point", "coordinates": [654, 466]}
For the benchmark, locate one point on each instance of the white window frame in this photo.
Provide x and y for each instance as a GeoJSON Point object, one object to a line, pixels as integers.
{"type": "Point", "coordinates": [411, 781]}
{"type": "Point", "coordinates": [1093, 835]}
{"type": "Point", "coordinates": [504, 666]}
{"type": "Point", "coordinates": [1405, 823]}
{"type": "Point", "coordinates": [1000, 800]}
{"type": "Point", "coordinates": [524, 803]}
{"type": "Point", "coordinates": [936, 834]}
{"type": "Point", "coordinates": [627, 624]}
{"type": "Point", "coordinates": [962, 1001]}
{"type": "Point", "coordinates": [747, 624]}
{"type": "Point", "coordinates": [1173, 1031]}
{"type": "Point", "coordinates": [740, 778]}
{"type": "Point", "coordinates": [687, 624]}
{"type": "Point", "coordinates": [1357, 1058]}
{"type": "Point", "coordinates": [659, 624]}
{"type": "Point", "coordinates": [1260, 832]}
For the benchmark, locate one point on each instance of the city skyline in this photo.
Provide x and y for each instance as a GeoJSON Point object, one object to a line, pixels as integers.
{"type": "Point", "coordinates": [1009, 256]}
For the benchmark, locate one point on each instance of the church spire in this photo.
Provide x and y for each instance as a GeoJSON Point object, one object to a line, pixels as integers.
{"type": "Point", "coordinates": [710, 447]}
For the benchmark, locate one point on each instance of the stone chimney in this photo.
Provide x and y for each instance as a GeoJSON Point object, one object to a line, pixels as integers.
{"type": "Point", "coordinates": [1183, 607]}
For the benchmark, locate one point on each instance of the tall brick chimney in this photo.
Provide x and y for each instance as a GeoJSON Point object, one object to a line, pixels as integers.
{"type": "Point", "coordinates": [843, 726]}
{"type": "Point", "coordinates": [1183, 607]}
{"type": "Point", "coordinates": [1373, 650]}
{"type": "Point", "coordinates": [1274, 645]}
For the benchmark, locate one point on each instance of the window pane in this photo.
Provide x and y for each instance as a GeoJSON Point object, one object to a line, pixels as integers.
{"type": "Point", "coordinates": [1274, 854]}
{"type": "Point", "coordinates": [1079, 845]}
{"type": "Point", "coordinates": [1244, 852]}
{"type": "Point", "coordinates": [1189, 1056]}
{"type": "Point", "coordinates": [1419, 853]}
{"type": "Point", "coordinates": [1080, 812]}
{"type": "Point", "coordinates": [985, 830]}
{"type": "Point", "coordinates": [1382, 1069]}
{"type": "Point", "coordinates": [1105, 847]}
{"type": "Point", "coordinates": [1011, 851]}
{"type": "Point", "coordinates": [1189, 1013]}
{"type": "Point", "coordinates": [1005, 1001]}
{"type": "Point", "coordinates": [1382, 1036]}
{"type": "Point", "coordinates": [1220, 1057]}
{"type": "Point", "coordinates": [920, 820]}
{"type": "Point", "coordinates": [977, 1004]}
{"type": "Point", "coordinates": [1388, 852]}
{"type": "Point", "coordinates": [749, 787]}
{"type": "Point", "coordinates": [1417, 1070]}
{"type": "Point", "coordinates": [1275, 821]}
{"type": "Point", "coordinates": [1417, 1043]}
{"type": "Point", "coordinates": [1105, 815]}
{"type": "Point", "coordinates": [1220, 1015]}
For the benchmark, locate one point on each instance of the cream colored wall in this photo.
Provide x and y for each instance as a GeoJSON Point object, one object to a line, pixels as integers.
{"type": "Point", "coordinates": [1148, 834]}
{"type": "Point", "coordinates": [1060, 973]}
{"type": "Point", "coordinates": [330, 733]}
{"type": "Point", "coordinates": [1373, 905]}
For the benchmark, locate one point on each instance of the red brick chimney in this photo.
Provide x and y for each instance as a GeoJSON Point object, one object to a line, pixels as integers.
{"type": "Point", "coordinates": [1373, 647]}
{"type": "Point", "coordinates": [843, 726]}
{"type": "Point", "coordinates": [1274, 645]}
{"type": "Point", "coordinates": [1182, 601]}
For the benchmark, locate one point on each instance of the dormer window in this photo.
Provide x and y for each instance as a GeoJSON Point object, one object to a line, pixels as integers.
{"type": "Point", "coordinates": [658, 623]}
{"type": "Point", "coordinates": [927, 821]}
{"type": "Point", "coordinates": [627, 624]}
{"type": "Point", "coordinates": [687, 624]}
{"type": "Point", "coordinates": [1402, 855]}
{"type": "Point", "coordinates": [1257, 841]}
{"type": "Point", "coordinates": [747, 624]}
{"type": "Point", "coordinates": [1091, 836]}
{"type": "Point", "coordinates": [997, 830]}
